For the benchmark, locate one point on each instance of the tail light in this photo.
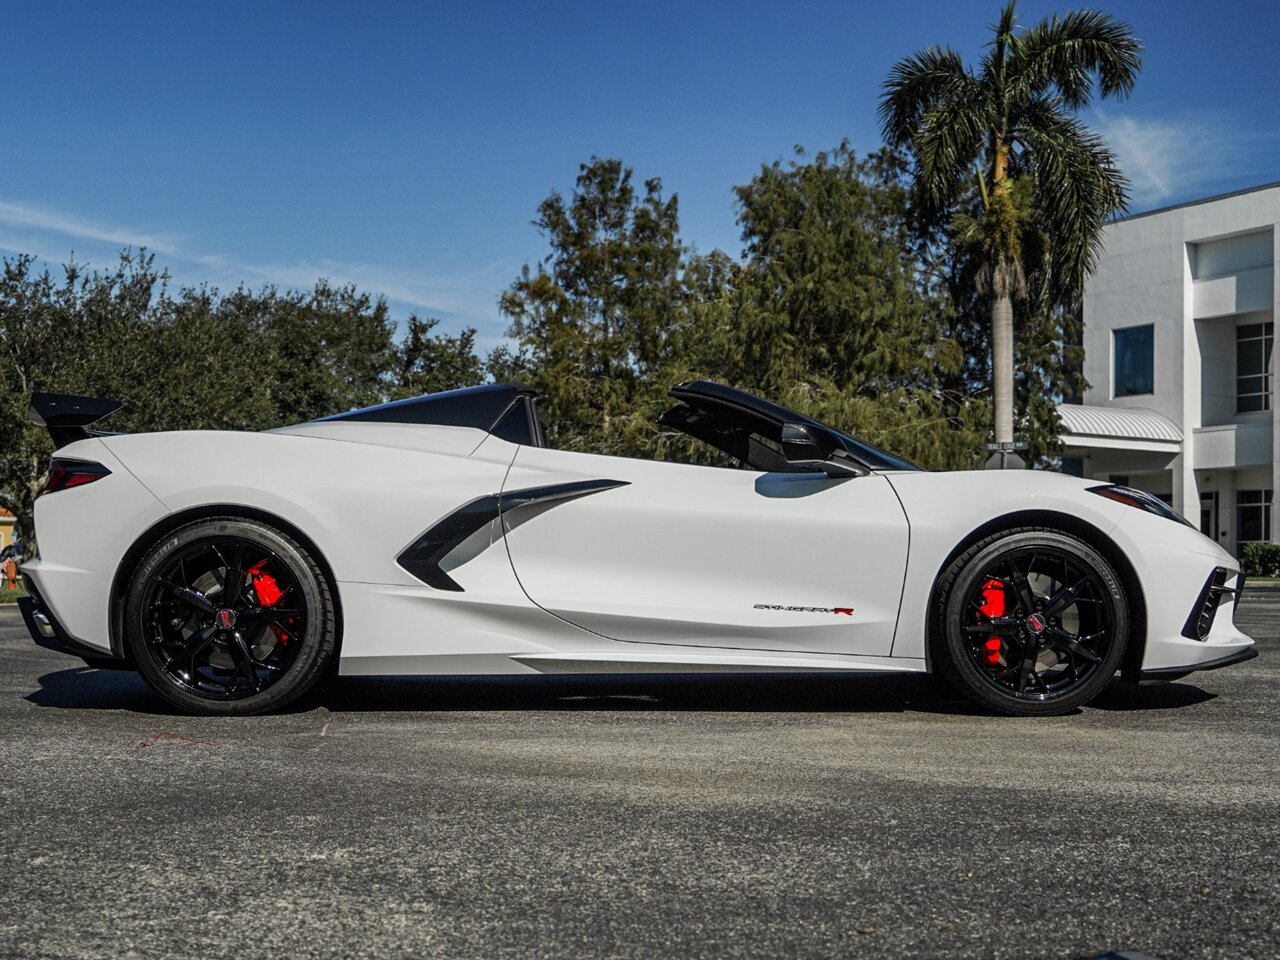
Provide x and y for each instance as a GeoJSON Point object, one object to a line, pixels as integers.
{"type": "Point", "coordinates": [64, 474]}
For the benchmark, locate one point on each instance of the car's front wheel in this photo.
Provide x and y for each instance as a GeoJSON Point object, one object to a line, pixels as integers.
{"type": "Point", "coordinates": [229, 616]}
{"type": "Point", "coordinates": [1033, 622]}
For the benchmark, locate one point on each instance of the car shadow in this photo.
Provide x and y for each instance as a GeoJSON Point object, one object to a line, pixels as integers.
{"type": "Point", "coordinates": [1164, 696]}
{"type": "Point", "coordinates": [88, 689]}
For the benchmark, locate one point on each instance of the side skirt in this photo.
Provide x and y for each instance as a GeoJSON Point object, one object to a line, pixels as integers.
{"type": "Point", "coordinates": [673, 661]}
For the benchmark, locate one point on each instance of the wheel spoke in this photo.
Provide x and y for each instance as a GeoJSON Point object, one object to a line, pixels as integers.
{"type": "Point", "coordinates": [1027, 669]}
{"type": "Point", "coordinates": [243, 657]}
{"type": "Point", "coordinates": [999, 626]}
{"type": "Point", "coordinates": [1026, 596]}
{"type": "Point", "coordinates": [1064, 598]}
{"type": "Point", "coordinates": [192, 598]}
{"type": "Point", "coordinates": [256, 616]}
{"type": "Point", "coordinates": [195, 644]}
{"type": "Point", "coordinates": [1064, 641]}
{"type": "Point", "coordinates": [235, 577]}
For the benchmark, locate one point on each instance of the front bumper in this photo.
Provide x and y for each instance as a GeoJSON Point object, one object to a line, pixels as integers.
{"type": "Point", "coordinates": [1209, 638]}
{"type": "Point", "coordinates": [47, 632]}
{"type": "Point", "coordinates": [1166, 674]}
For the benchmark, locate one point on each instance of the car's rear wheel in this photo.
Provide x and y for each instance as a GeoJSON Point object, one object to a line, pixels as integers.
{"type": "Point", "coordinates": [1033, 622]}
{"type": "Point", "coordinates": [229, 616]}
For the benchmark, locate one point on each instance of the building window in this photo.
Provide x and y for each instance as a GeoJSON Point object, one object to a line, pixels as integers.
{"type": "Point", "coordinates": [1253, 517]}
{"type": "Point", "coordinates": [1254, 342]}
{"type": "Point", "coordinates": [1135, 360]}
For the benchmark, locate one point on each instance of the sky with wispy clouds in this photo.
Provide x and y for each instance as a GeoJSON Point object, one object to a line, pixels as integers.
{"type": "Point", "coordinates": [405, 147]}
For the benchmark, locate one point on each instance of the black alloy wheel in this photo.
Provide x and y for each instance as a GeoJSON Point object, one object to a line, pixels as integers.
{"type": "Point", "coordinates": [229, 616]}
{"type": "Point", "coordinates": [1035, 622]}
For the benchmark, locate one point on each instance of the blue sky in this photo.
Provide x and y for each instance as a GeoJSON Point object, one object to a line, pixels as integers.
{"type": "Point", "coordinates": [406, 146]}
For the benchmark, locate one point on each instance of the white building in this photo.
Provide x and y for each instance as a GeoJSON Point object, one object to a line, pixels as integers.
{"type": "Point", "coordinates": [1179, 328]}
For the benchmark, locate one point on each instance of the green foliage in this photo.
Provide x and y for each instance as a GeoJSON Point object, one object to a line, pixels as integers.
{"type": "Point", "coordinates": [1262, 559]}
{"type": "Point", "coordinates": [596, 322]}
{"type": "Point", "coordinates": [431, 362]}
{"type": "Point", "coordinates": [827, 312]}
{"type": "Point", "coordinates": [197, 360]}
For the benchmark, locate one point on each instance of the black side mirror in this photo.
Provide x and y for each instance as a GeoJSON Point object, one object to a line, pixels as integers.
{"type": "Point", "coordinates": [814, 448]}
{"type": "Point", "coordinates": [802, 443]}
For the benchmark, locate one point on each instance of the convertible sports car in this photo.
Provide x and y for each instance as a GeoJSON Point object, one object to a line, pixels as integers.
{"type": "Point", "coordinates": [441, 535]}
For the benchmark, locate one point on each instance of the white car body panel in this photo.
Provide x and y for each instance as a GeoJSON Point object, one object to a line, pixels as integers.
{"type": "Point", "coordinates": [676, 568]}
{"type": "Point", "coordinates": [83, 540]}
{"type": "Point", "coordinates": [703, 556]}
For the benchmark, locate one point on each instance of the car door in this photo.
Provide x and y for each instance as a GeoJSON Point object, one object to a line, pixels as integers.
{"type": "Point", "coordinates": [669, 553]}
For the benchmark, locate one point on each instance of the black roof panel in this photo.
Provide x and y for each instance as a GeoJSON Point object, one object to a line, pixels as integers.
{"type": "Point", "coordinates": [478, 407]}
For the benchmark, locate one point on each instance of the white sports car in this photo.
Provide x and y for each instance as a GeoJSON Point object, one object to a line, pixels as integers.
{"type": "Point", "coordinates": [441, 535]}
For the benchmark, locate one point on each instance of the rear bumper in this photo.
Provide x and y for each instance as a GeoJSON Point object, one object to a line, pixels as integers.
{"type": "Point", "coordinates": [47, 632]}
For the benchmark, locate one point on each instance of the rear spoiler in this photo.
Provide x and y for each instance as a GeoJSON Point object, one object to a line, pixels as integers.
{"type": "Point", "coordinates": [66, 416]}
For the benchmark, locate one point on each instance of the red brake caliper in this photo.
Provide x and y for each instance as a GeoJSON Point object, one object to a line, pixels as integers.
{"type": "Point", "coordinates": [992, 606]}
{"type": "Point", "coordinates": [268, 593]}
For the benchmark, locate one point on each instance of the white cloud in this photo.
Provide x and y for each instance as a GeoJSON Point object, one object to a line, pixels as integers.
{"type": "Point", "coordinates": [1179, 158]}
{"type": "Point", "coordinates": [46, 221]}
{"type": "Point", "coordinates": [459, 297]}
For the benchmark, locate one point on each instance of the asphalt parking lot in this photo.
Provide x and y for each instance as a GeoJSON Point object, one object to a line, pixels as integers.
{"type": "Point", "coordinates": [758, 817]}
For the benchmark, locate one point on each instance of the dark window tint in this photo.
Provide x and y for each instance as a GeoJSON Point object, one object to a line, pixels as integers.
{"type": "Point", "coordinates": [475, 407]}
{"type": "Point", "coordinates": [1254, 342]}
{"type": "Point", "coordinates": [514, 427]}
{"type": "Point", "coordinates": [1253, 517]}
{"type": "Point", "coordinates": [1135, 361]}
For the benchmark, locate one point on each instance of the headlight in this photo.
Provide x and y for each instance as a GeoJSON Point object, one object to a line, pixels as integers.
{"type": "Point", "coordinates": [1140, 499]}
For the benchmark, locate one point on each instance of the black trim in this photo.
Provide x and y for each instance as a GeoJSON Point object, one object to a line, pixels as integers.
{"type": "Point", "coordinates": [1200, 620]}
{"type": "Point", "coordinates": [423, 556]}
{"type": "Point", "coordinates": [509, 411]}
{"type": "Point", "coordinates": [511, 499]}
{"type": "Point", "coordinates": [744, 410]}
{"type": "Point", "coordinates": [478, 407]}
{"type": "Point", "coordinates": [61, 641]}
{"type": "Point", "coordinates": [1166, 674]}
{"type": "Point", "coordinates": [65, 415]}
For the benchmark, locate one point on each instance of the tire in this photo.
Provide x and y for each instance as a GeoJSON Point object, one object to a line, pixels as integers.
{"type": "Point", "coordinates": [1030, 622]}
{"type": "Point", "coordinates": [210, 647]}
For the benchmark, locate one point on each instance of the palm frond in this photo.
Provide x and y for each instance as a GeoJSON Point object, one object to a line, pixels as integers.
{"type": "Point", "coordinates": [1067, 53]}
{"type": "Point", "coordinates": [1003, 38]}
{"type": "Point", "coordinates": [916, 85]}
{"type": "Point", "coordinates": [1078, 187]}
{"type": "Point", "coordinates": [949, 139]}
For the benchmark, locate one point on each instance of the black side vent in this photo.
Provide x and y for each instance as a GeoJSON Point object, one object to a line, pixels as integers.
{"type": "Point", "coordinates": [423, 557]}
{"type": "Point", "coordinates": [1200, 622]}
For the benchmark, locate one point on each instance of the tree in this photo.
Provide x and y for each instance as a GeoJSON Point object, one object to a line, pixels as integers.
{"type": "Point", "coordinates": [1014, 119]}
{"type": "Point", "coordinates": [322, 352]}
{"type": "Point", "coordinates": [827, 313]}
{"type": "Point", "coordinates": [428, 363]}
{"type": "Point", "coordinates": [830, 313]}
{"type": "Point", "coordinates": [595, 320]}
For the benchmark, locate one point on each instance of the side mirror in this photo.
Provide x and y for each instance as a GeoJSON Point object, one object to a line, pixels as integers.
{"type": "Point", "coordinates": [813, 448]}
{"type": "Point", "coordinates": [803, 444]}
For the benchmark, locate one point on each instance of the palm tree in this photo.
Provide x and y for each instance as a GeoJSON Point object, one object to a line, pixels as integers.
{"type": "Point", "coordinates": [1013, 119]}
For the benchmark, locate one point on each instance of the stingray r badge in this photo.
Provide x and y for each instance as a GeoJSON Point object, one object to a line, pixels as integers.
{"type": "Point", "coordinates": [847, 611]}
